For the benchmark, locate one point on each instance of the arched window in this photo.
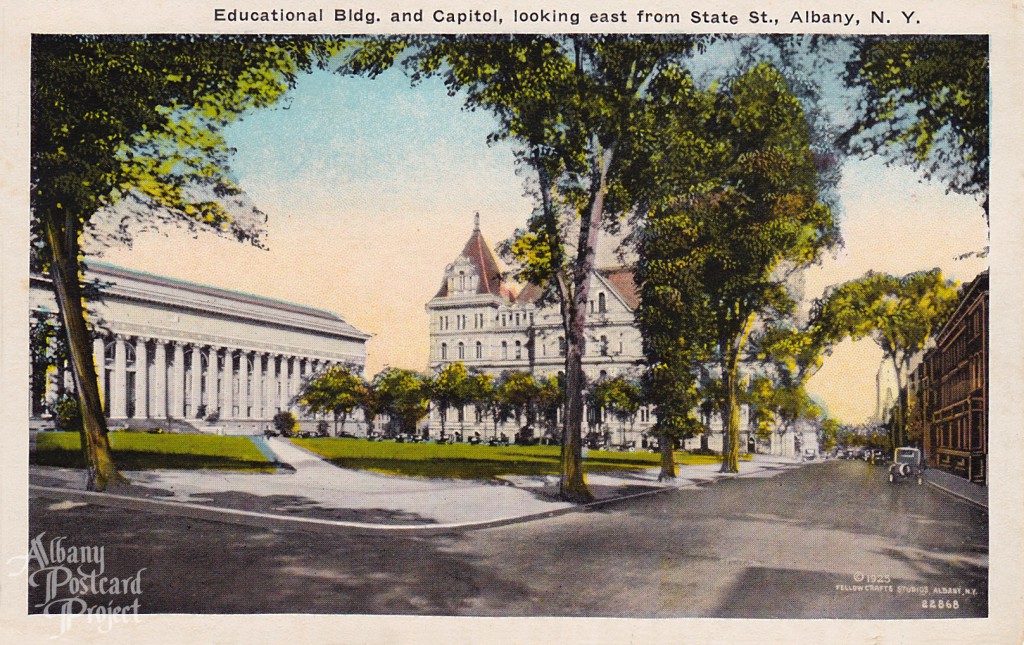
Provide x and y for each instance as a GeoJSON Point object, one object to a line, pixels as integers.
{"type": "Point", "coordinates": [601, 303]}
{"type": "Point", "coordinates": [479, 349]}
{"type": "Point", "coordinates": [462, 350]}
{"type": "Point", "coordinates": [129, 355]}
{"type": "Point", "coordinates": [109, 350]}
{"type": "Point", "coordinates": [561, 346]}
{"type": "Point", "coordinates": [519, 350]}
{"type": "Point", "coordinates": [504, 349]}
{"type": "Point", "coordinates": [462, 280]}
{"type": "Point", "coordinates": [444, 351]}
{"type": "Point", "coordinates": [604, 345]}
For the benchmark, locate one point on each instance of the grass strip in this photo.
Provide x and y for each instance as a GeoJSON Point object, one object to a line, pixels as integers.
{"type": "Point", "coordinates": [144, 451]}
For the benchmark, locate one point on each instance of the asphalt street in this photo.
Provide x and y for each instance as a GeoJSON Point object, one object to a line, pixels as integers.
{"type": "Point", "coordinates": [830, 540]}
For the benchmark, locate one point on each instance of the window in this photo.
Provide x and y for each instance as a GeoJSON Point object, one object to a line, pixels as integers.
{"type": "Point", "coordinates": [444, 351]}
{"type": "Point", "coordinates": [502, 320]}
{"type": "Point", "coordinates": [519, 350]}
{"type": "Point", "coordinates": [601, 307]}
{"type": "Point", "coordinates": [561, 346]}
{"type": "Point", "coordinates": [462, 350]}
{"type": "Point", "coordinates": [604, 345]}
{"type": "Point", "coordinates": [479, 349]}
{"type": "Point", "coordinates": [504, 349]}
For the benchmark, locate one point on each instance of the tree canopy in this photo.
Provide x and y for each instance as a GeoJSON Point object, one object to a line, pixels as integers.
{"type": "Point", "coordinates": [925, 105]}
{"type": "Point", "coordinates": [140, 118]}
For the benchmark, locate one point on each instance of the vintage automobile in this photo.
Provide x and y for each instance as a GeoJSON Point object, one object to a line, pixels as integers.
{"type": "Point", "coordinates": [907, 462]}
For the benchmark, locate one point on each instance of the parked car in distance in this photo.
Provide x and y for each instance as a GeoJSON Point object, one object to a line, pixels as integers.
{"type": "Point", "coordinates": [907, 463]}
{"type": "Point", "coordinates": [809, 454]}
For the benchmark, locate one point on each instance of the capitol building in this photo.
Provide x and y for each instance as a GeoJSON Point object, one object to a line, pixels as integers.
{"type": "Point", "coordinates": [172, 354]}
{"type": "Point", "coordinates": [482, 320]}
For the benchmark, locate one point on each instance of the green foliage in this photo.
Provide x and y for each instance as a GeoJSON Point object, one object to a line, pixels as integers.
{"type": "Point", "coordinates": [716, 252]}
{"type": "Point", "coordinates": [519, 393]}
{"type": "Point", "coordinates": [402, 394]}
{"type": "Point", "coordinates": [285, 422]}
{"type": "Point", "coordinates": [338, 390]}
{"type": "Point", "coordinates": [926, 105]}
{"type": "Point", "coordinates": [451, 388]}
{"type": "Point", "coordinates": [828, 433]}
{"type": "Point", "coordinates": [68, 414]}
{"type": "Point", "coordinates": [898, 313]}
{"type": "Point", "coordinates": [120, 116]}
{"type": "Point", "coordinates": [48, 349]}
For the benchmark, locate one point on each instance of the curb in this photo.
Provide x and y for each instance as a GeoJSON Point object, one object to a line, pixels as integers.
{"type": "Point", "coordinates": [957, 495]}
{"type": "Point", "coordinates": [264, 520]}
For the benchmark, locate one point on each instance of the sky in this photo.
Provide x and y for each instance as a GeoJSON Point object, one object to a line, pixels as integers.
{"type": "Point", "coordinates": [370, 187]}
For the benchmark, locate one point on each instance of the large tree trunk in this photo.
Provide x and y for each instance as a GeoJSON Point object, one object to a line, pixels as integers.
{"type": "Point", "coordinates": [668, 458]}
{"type": "Point", "coordinates": [573, 486]}
{"type": "Point", "coordinates": [574, 314]}
{"type": "Point", "coordinates": [64, 271]}
{"type": "Point", "coordinates": [730, 408]}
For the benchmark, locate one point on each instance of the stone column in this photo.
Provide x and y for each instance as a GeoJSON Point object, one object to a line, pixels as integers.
{"type": "Point", "coordinates": [118, 395]}
{"type": "Point", "coordinates": [243, 385]}
{"type": "Point", "coordinates": [100, 362]}
{"type": "Point", "coordinates": [257, 386]}
{"type": "Point", "coordinates": [159, 409]}
{"type": "Point", "coordinates": [282, 382]}
{"type": "Point", "coordinates": [195, 390]}
{"type": "Point", "coordinates": [229, 384]}
{"type": "Point", "coordinates": [141, 379]}
{"type": "Point", "coordinates": [293, 381]}
{"type": "Point", "coordinates": [178, 382]}
{"type": "Point", "coordinates": [212, 372]}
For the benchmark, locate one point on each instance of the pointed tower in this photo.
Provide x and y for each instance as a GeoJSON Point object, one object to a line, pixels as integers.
{"type": "Point", "coordinates": [464, 311]}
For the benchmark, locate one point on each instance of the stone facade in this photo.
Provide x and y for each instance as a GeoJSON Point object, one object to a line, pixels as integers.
{"type": "Point", "coordinates": [480, 319]}
{"type": "Point", "coordinates": [170, 352]}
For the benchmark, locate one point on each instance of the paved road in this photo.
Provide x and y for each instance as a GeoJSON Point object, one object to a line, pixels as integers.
{"type": "Point", "coordinates": [833, 539]}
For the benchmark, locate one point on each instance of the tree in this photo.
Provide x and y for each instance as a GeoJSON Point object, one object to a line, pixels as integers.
{"type": "Point", "coordinates": [623, 398]}
{"type": "Point", "coordinates": [829, 432]}
{"type": "Point", "coordinates": [481, 393]}
{"type": "Point", "coordinates": [47, 352]}
{"type": "Point", "coordinates": [570, 102]}
{"type": "Point", "coordinates": [450, 388]}
{"type": "Point", "coordinates": [338, 390]}
{"type": "Point", "coordinates": [550, 399]}
{"type": "Point", "coordinates": [898, 313]}
{"type": "Point", "coordinates": [519, 392]}
{"type": "Point", "coordinates": [926, 105]}
{"type": "Point", "coordinates": [138, 119]}
{"type": "Point", "coordinates": [724, 249]}
{"type": "Point", "coordinates": [404, 395]}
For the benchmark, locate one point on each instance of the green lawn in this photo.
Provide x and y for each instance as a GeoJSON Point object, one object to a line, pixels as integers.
{"type": "Point", "coordinates": [143, 451]}
{"type": "Point", "coordinates": [465, 461]}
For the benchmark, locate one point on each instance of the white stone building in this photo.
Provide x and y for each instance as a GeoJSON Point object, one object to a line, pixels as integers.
{"type": "Point", "coordinates": [482, 320]}
{"type": "Point", "coordinates": [170, 352]}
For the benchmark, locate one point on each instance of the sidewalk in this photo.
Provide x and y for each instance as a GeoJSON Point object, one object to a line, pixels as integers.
{"type": "Point", "coordinates": [319, 492]}
{"type": "Point", "coordinates": [957, 486]}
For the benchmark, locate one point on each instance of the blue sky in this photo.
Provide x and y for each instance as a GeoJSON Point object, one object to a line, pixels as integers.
{"type": "Point", "coordinates": [370, 187]}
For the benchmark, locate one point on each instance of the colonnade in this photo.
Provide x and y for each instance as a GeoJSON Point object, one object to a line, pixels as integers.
{"type": "Point", "coordinates": [152, 378]}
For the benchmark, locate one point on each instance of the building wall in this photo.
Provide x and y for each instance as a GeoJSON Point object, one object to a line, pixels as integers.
{"type": "Point", "coordinates": [954, 380]}
{"type": "Point", "coordinates": [170, 353]}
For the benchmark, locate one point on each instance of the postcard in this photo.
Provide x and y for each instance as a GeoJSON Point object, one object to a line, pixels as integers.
{"type": "Point", "coordinates": [401, 322]}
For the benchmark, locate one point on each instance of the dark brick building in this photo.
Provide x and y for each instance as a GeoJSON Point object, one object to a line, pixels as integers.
{"type": "Point", "coordinates": [952, 383]}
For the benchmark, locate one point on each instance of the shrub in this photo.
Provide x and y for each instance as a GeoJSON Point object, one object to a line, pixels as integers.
{"type": "Point", "coordinates": [284, 423]}
{"type": "Point", "coordinates": [67, 414]}
{"type": "Point", "coordinates": [213, 417]}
